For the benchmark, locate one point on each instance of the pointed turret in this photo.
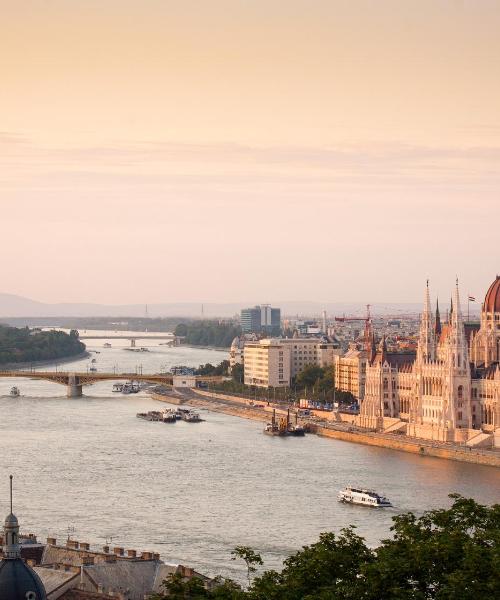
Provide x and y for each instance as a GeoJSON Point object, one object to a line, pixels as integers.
{"type": "Point", "coordinates": [11, 548]}
{"type": "Point", "coordinates": [437, 322]}
{"type": "Point", "coordinates": [457, 336]}
{"type": "Point", "coordinates": [427, 341]}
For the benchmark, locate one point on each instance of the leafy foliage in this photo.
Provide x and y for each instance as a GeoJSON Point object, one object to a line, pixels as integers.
{"type": "Point", "coordinates": [208, 333]}
{"type": "Point", "coordinates": [209, 369]}
{"type": "Point", "coordinates": [446, 554]}
{"type": "Point", "coordinates": [26, 345]}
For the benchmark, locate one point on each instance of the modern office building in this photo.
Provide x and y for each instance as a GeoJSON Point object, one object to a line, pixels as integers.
{"type": "Point", "coordinates": [261, 319]}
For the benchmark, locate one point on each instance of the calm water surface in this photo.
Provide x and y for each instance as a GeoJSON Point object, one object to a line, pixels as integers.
{"type": "Point", "coordinates": [194, 491]}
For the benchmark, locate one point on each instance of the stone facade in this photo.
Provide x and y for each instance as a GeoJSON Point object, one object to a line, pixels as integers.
{"type": "Point", "coordinates": [441, 394]}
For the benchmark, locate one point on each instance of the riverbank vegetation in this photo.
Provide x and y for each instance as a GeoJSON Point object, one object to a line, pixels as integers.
{"type": "Point", "coordinates": [27, 345]}
{"type": "Point", "coordinates": [208, 333]}
{"type": "Point", "coordinates": [446, 554]}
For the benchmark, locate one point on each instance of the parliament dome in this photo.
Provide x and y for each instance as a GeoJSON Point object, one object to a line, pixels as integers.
{"type": "Point", "coordinates": [492, 299]}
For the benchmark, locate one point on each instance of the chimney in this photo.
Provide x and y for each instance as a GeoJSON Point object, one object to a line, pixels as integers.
{"type": "Point", "coordinates": [132, 553]}
{"type": "Point", "coordinates": [110, 558]}
{"type": "Point", "coordinates": [84, 546]}
{"type": "Point", "coordinates": [72, 544]}
{"type": "Point", "coordinates": [105, 549]}
{"type": "Point", "coordinates": [119, 551]}
{"type": "Point", "coordinates": [51, 541]}
{"type": "Point", "coordinates": [147, 556]}
{"type": "Point", "coordinates": [156, 556]}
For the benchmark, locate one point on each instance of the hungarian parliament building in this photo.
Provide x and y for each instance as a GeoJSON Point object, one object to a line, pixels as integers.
{"type": "Point", "coordinates": [449, 391]}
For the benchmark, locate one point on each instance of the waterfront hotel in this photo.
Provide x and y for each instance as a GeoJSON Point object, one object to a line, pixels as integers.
{"type": "Point", "coordinates": [450, 392]}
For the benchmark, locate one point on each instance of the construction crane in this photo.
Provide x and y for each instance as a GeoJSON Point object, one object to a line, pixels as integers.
{"type": "Point", "coordinates": [367, 319]}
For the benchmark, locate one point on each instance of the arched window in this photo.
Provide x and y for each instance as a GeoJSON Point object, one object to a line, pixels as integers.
{"type": "Point", "coordinates": [460, 392]}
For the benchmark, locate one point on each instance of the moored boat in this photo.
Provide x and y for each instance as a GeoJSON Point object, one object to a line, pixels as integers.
{"type": "Point", "coordinates": [169, 416]}
{"type": "Point", "coordinates": [352, 495]}
{"type": "Point", "coordinates": [117, 387]}
{"type": "Point", "coordinates": [15, 392]}
{"type": "Point", "coordinates": [191, 416]}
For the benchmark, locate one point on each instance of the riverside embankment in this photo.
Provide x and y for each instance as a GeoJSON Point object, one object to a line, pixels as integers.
{"type": "Point", "coordinates": [241, 407]}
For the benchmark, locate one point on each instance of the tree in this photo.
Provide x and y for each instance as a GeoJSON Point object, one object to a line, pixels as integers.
{"type": "Point", "coordinates": [309, 376]}
{"type": "Point", "coordinates": [446, 554]}
{"type": "Point", "coordinates": [238, 373]}
{"type": "Point", "coordinates": [250, 557]}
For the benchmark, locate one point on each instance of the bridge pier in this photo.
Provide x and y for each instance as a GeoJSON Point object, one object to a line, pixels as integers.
{"type": "Point", "coordinates": [74, 389]}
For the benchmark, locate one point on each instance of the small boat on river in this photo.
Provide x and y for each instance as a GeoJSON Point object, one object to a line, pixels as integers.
{"type": "Point", "coordinates": [152, 415]}
{"type": "Point", "coordinates": [118, 387]}
{"type": "Point", "coordinates": [169, 416]}
{"type": "Point", "coordinates": [352, 495]}
{"type": "Point", "coordinates": [191, 416]}
{"type": "Point", "coordinates": [15, 392]}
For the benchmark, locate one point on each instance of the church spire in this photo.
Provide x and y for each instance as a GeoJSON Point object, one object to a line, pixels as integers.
{"type": "Point", "coordinates": [426, 342]}
{"type": "Point", "coordinates": [11, 548]}
{"type": "Point", "coordinates": [457, 334]}
{"type": "Point", "coordinates": [437, 322]}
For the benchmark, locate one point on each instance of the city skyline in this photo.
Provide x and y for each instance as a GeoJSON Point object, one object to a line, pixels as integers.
{"type": "Point", "coordinates": [232, 151]}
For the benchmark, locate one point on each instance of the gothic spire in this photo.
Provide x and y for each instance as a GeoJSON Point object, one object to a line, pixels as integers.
{"type": "Point", "coordinates": [426, 343]}
{"type": "Point", "coordinates": [437, 323]}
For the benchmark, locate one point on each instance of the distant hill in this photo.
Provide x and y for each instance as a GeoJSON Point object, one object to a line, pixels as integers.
{"type": "Point", "coordinates": [19, 306]}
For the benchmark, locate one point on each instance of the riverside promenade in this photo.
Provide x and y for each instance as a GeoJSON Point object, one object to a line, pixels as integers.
{"type": "Point", "coordinates": [259, 411]}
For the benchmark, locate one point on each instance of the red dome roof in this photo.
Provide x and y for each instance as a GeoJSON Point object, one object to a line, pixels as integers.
{"type": "Point", "coordinates": [492, 300]}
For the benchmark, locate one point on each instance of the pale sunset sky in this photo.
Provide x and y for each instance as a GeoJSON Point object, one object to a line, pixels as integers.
{"type": "Point", "coordinates": [245, 150]}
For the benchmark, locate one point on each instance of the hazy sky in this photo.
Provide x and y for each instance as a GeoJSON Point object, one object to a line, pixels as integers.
{"type": "Point", "coordinates": [212, 150]}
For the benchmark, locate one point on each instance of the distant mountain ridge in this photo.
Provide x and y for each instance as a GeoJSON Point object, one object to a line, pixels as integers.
{"type": "Point", "coordinates": [12, 305]}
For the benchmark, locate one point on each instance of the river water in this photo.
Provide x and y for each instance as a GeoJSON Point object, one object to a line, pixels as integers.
{"type": "Point", "coordinates": [192, 492]}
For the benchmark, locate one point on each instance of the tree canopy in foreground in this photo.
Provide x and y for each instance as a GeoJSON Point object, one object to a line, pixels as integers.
{"type": "Point", "coordinates": [446, 554]}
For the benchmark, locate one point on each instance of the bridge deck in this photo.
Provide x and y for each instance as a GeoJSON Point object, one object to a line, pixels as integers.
{"type": "Point", "coordinates": [85, 377]}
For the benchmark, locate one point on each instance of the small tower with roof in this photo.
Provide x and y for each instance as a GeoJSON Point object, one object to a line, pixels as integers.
{"type": "Point", "coordinates": [17, 580]}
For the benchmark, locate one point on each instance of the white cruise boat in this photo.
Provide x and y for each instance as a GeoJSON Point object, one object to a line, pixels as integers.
{"type": "Point", "coordinates": [364, 497]}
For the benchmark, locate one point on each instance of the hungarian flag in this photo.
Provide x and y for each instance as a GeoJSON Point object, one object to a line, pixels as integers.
{"type": "Point", "coordinates": [472, 299]}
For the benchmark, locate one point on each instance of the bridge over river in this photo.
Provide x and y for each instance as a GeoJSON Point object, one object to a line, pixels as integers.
{"type": "Point", "coordinates": [74, 381]}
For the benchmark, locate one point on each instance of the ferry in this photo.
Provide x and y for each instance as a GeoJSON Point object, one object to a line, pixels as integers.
{"type": "Point", "coordinates": [364, 497]}
{"type": "Point", "coordinates": [15, 392]}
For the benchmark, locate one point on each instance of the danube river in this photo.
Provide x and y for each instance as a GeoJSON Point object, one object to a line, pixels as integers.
{"type": "Point", "coordinates": [192, 492]}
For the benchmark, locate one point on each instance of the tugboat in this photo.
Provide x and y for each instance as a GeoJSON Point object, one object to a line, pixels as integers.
{"type": "Point", "coordinates": [363, 497]}
{"type": "Point", "coordinates": [15, 392]}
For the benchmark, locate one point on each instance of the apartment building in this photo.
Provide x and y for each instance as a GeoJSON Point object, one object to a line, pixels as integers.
{"type": "Point", "coordinates": [267, 363]}
{"type": "Point", "coordinates": [350, 372]}
{"type": "Point", "coordinates": [278, 360]}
